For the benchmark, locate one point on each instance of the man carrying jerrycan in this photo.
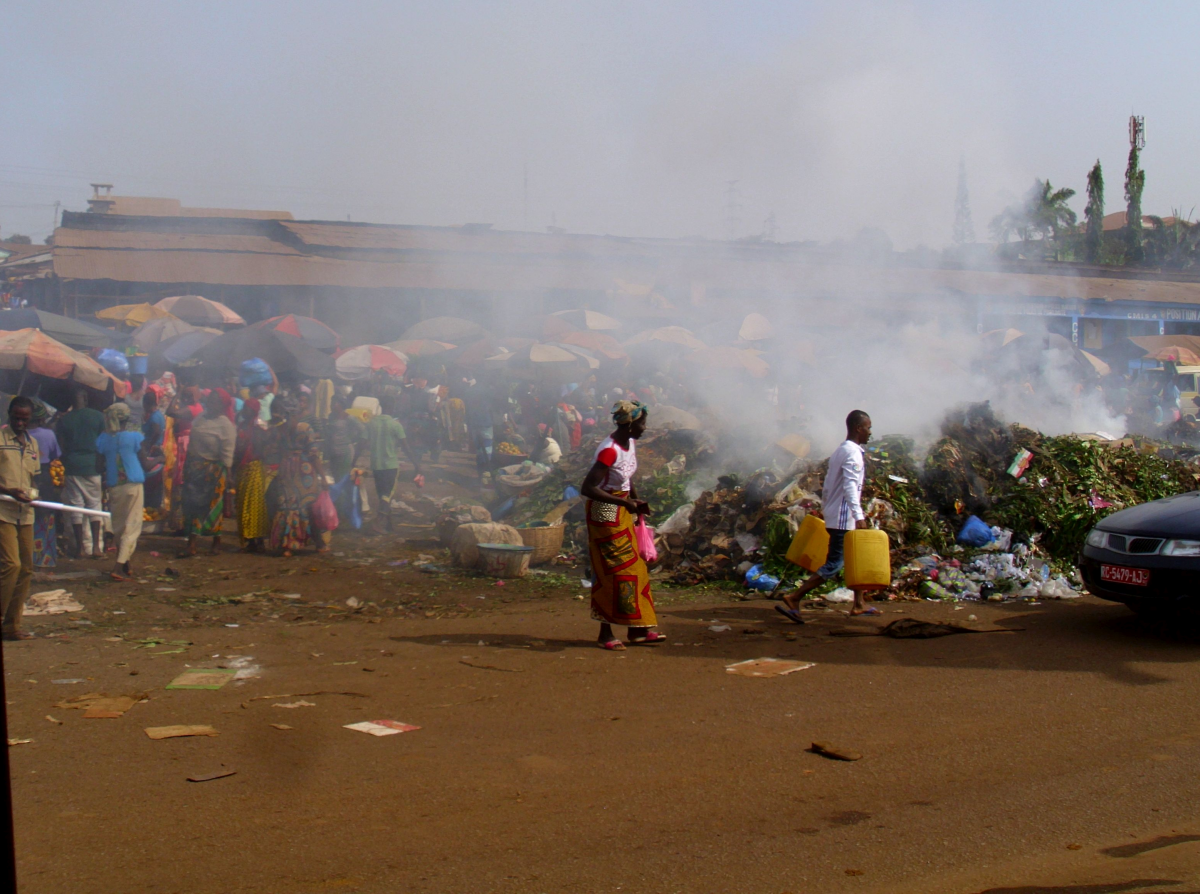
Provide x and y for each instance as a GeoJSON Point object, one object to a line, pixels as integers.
{"type": "Point", "coordinates": [841, 503]}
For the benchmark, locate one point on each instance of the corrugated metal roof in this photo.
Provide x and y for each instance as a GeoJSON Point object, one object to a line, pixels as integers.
{"type": "Point", "coordinates": [142, 241]}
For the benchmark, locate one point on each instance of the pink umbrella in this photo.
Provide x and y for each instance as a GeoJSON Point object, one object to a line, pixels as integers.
{"type": "Point", "coordinates": [360, 362]}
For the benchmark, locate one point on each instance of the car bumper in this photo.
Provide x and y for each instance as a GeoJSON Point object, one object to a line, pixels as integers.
{"type": "Point", "coordinates": [1171, 579]}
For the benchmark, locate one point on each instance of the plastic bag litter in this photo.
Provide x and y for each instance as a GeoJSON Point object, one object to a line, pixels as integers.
{"type": "Point", "coordinates": [757, 579]}
{"type": "Point", "coordinates": [975, 533]}
{"type": "Point", "coordinates": [841, 594]}
{"type": "Point", "coordinates": [678, 521]}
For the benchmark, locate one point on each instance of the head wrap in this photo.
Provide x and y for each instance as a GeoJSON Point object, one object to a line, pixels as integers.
{"type": "Point", "coordinates": [226, 403]}
{"type": "Point", "coordinates": [115, 417]}
{"type": "Point", "coordinates": [40, 413]}
{"type": "Point", "coordinates": [625, 412]}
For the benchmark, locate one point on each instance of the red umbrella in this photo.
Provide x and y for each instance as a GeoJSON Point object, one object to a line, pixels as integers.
{"type": "Point", "coordinates": [313, 332]}
{"type": "Point", "coordinates": [360, 362]}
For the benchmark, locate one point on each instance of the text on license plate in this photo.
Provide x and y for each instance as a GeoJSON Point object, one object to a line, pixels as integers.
{"type": "Point", "coordinates": [1119, 574]}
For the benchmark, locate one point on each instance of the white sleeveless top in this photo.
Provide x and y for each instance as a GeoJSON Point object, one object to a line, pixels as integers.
{"type": "Point", "coordinates": [621, 464]}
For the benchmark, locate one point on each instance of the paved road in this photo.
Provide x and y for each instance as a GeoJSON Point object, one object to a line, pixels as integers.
{"type": "Point", "coordinates": [1011, 761]}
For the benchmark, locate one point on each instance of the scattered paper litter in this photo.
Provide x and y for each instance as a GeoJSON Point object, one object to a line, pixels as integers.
{"type": "Point", "coordinates": [97, 706]}
{"type": "Point", "coordinates": [297, 704]}
{"type": "Point", "coordinates": [203, 678]}
{"type": "Point", "coordinates": [381, 727]}
{"type": "Point", "coordinates": [767, 667]}
{"type": "Point", "coordinates": [720, 628]}
{"type": "Point", "coordinates": [179, 730]}
{"type": "Point", "coordinates": [71, 680]}
{"type": "Point", "coordinates": [28, 741]}
{"type": "Point", "coordinates": [282, 726]}
{"type": "Point", "coordinates": [51, 602]}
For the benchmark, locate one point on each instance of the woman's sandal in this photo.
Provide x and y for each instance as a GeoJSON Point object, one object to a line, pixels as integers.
{"type": "Point", "coordinates": [652, 638]}
{"type": "Point", "coordinates": [612, 645]}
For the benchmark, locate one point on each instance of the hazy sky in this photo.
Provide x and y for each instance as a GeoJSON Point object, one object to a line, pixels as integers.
{"type": "Point", "coordinates": [630, 117]}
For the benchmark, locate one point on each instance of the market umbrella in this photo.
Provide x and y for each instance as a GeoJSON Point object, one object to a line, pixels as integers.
{"type": "Point", "coordinates": [1175, 354]}
{"type": "Point", "coordinates": [310, 331]}
{"type": "Point", "coordinates": [360, 362]}
{"type": "Point", "coordinates": [286, 354]}
{"type": "Point", "coordinates": [1152, 344]}
{"type": "Point", "coordinates": [475, 354]}
{"type": "Point", "coordinates": [150, 335]}
{"type": "Point", "coordinates": [601, 344]}
{"type": "Point", "coordinates": [728, 359]}
{"type": "Point", "coordinates": [200, 311]}
{"type": "Point", "coordinates": [998, 338]}
{"type": "Point", "coordinates": [419, 347]}
{"type": "Point", "coordinates": [755, 327]}
{"type": "Point", "coordinates": [587, 319]}
{"type": "Point", "coordinates": [1098, 365]}
{"type": "Point", "coordinates": [134, 314]}
{"type": "Point", "coordinates": [448, 329]}
{"type": "Point", "coordinates": [37, 352]}
{"type": "Point", "coordinates": [544, 326]}
{"type": "Point", "coordinates": [181, 349]}
{"type": "Point", "coordinates": [583, 354]}
{"type": "Point", "coordinates": [549, 363]}
{"type": "Point", "coordinates": [667, 335]}
{"type": "Point", "coordinates": [74, 333]}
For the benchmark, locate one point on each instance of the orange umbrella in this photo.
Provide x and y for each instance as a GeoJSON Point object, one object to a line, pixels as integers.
{"type": "Point", "coordinates": [33, 350]}
{"type": "Point", "coordinates": [134, 314]}
{"type": "Point", "coordinates": [1176, 354]}
{"type": "Point", "coordinates": [547, 326]}
{"type": "Point", "coordinates": [671, 335]}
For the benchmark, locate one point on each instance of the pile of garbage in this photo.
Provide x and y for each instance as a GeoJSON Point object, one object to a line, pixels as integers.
{"type": "Point", "coordinates": [1034, 498]}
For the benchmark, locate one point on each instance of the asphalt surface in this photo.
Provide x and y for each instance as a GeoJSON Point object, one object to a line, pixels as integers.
{"type": "Point", "coordinates": [1057, 754]}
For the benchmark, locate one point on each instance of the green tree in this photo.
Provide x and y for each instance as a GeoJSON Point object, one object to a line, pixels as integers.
{"type": "Point", "coordinates": [1173, 243]}
{"type": "Point", "coordinates": [19, 239]}
{"type": "Point", "coordinates": [1043, 215]}
{"type": "Point", "coordinates": [1135, 182]}
{"type": "Point", "coordinates": [1094, 213]}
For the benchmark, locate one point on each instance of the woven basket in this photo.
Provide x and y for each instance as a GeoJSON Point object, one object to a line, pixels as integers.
{"type": "Point", "coordinates": [546, 540]}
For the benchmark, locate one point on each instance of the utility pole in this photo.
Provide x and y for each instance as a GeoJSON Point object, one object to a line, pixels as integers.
{"type": "Point", "coordinates": [733, 210]}
{"type": "Point", "coordinates": [525, 214]}
{"type": "Point", "coordinates": [770, 228]}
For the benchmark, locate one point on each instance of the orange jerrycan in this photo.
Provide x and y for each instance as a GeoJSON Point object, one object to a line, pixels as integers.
{"type": "Point", "coordinates": [810, 546]}
{"type": "Point", "coordinates": [868, 559]}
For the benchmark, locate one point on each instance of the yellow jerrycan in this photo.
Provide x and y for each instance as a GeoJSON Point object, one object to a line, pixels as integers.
{"type": "Point", "coordinates": [810, 546]}
{"type": "Point", "coordinates": [868, 559]}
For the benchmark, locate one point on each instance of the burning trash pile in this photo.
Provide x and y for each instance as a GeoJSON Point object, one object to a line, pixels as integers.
{"type": "Point", "coordinates": [994, 511]}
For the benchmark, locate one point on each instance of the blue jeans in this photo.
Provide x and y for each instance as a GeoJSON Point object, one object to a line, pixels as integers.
{"type": "Point", "coordinates": [837, 554]}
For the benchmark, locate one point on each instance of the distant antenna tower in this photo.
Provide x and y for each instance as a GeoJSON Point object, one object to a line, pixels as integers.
{"type": "Point", "coordinates": [770, 228]}
{"type": "Point", "coordinates": [1137, 132]}
{"type": "Point", "coordinates": [733, 210]}
{"type": "Point", "coordinates": [525, 217]}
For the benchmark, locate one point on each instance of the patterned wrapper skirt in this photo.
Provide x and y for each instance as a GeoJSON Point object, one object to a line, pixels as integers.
{"type": "Point", "coordinates": [620, 581]}
{"type": "Point", "coordinates": [203, 496]}
{"type": "Point", "coordinates": [290, 497]}
{"type": "Point", "coordinates": [253, 521]}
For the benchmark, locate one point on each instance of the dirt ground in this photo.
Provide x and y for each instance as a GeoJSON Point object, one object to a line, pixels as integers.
{"type": "Point", "coordinates": [1058, 755]}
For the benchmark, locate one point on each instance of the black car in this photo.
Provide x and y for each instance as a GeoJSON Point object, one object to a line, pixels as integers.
{"type": "Point", "coordinates": [1147, 556]}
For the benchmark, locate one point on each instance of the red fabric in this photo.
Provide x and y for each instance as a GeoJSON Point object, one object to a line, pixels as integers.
{"type": "Point", "coordinates": [227, 404]}
{"type": "Point", "coordinates": [607, 456]}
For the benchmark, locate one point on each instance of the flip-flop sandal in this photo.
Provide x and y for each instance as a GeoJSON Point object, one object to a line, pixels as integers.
{"type": "Point", "coordinates": [790, 613]}
{"type": "Point", "coordinates": [866, 611]}
{"type": "Point", "coordinates": [613, 645]}
{"type": "Point", "coordinates": [115, 576]}
{"type": "Point", "coordinates": [652, 638]}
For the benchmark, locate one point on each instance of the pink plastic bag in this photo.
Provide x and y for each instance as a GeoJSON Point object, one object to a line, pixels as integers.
{"type": "Point", "coordinates": [645, 541]}
{"type": "Point", "coordinates": [324, 514]}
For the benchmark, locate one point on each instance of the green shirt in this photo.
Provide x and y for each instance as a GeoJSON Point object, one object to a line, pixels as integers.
{"type": "Point", "coordinates": [384, 435]}
{"type": "Point", "coordinates": [77, 433]}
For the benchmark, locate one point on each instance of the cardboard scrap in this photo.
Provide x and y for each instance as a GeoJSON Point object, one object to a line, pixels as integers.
{"type": "Point", "coordinates": [178, 730]}
{"type": "Point", "coordinates": [767, 667]}
{"type": "Point", "coordinates": [203, 678]}
{"type": "Point", "coordinates": [97, 706]}
{"type": "Point", "coordinates": [51, 602]}
{"type": "Point", "coordinates": [381, 727]}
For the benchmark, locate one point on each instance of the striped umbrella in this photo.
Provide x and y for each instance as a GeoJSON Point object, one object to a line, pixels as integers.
{"type": "Point", "coordinates": [360, 362]}
{"type": "Point", "coordinates": [312, 332]}
{"type": "Point", "coordinates": [200, 311]}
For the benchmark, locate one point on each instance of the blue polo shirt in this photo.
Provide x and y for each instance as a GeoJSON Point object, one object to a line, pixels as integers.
{"type": "Point", "coordinates": [121, 463]}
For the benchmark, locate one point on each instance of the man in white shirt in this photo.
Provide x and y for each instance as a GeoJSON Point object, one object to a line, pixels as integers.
{"type": "Point", "coordinates": [841, 505]}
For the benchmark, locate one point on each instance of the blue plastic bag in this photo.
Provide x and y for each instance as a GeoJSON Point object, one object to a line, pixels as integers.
{"type": "Point", "coordinates": [254, 371]}
{"type": "Point", "coordinates": [975, 533]}
{"type": "Point", "coordinates": [757, 579]}
{"type": "Point", "coordinates": [115, 362]}
{"type": "Point", "coordinates": [348, 501]}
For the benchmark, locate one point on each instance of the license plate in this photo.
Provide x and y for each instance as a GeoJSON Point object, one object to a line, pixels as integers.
{"type": "Point", "coordinates": [1119, 574]}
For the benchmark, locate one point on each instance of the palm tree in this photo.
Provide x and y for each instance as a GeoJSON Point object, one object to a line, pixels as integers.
{"type": "Point", "coordinates": [1043, 215]}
